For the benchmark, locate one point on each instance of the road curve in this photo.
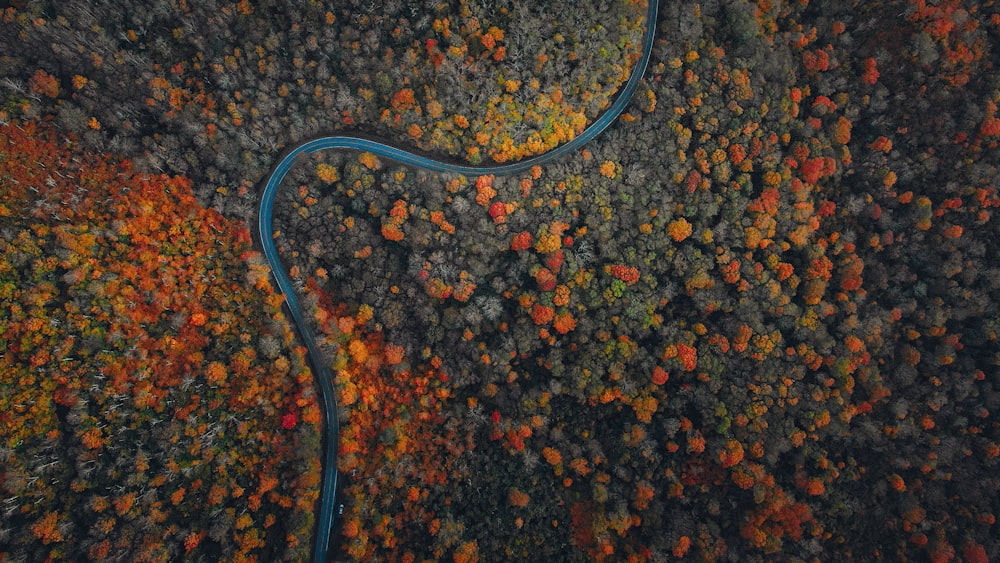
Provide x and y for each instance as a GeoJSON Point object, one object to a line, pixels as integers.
{"type": "Point", "coordinates": [324, 378]}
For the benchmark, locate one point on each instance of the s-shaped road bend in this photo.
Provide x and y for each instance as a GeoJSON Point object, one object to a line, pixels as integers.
{"type": "Point", "coordinates": [324, 378]}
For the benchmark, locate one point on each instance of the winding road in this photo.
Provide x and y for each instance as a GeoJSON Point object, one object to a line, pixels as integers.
{"type": "Point", "coordinates": [324, 378]}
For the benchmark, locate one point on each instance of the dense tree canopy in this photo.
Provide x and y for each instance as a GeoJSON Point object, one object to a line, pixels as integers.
{"type": "Point", "coordinates": [151, 397]}
{"type": "Point", "coordinates": [754, 320]}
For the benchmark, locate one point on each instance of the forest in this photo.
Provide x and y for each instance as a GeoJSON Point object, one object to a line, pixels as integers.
{"type": "Point", "coordinates": [756, 319]}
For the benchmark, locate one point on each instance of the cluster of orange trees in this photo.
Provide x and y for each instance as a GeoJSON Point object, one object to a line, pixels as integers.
{"type": "Point", "coordinates": [152, 398]}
